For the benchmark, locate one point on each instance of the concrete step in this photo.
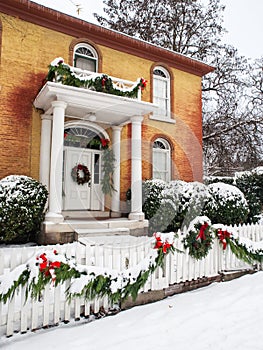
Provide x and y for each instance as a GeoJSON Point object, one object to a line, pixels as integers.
{"type": "Point", "coordinates": [86, 232]}
{"type": "Point", "coordinates": [105, 224]}
{"type": "Point", "coordinates": [86, 215]}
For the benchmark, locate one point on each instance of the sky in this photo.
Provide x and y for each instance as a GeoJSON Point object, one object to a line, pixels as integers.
{"type": "Point", "coordinates": [222, 316]}
{"type": "Point", "coordinates": [243, 20]}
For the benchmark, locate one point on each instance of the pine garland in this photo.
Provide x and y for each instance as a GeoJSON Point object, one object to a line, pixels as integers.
{"type": "Point", "coordinates": [56, 269]}
{"type": "Point", "coordinates": [62, 73]}
{"type": "Point", "coordinates": [108, 160]}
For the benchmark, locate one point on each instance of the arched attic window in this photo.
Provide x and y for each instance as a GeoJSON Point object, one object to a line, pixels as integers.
{"type": "Point", "coordinates": [161, 91]}
{"type": "Point", "coordinates": [85, 57]}
{"type": "Point", "coordinates": [161, 165]}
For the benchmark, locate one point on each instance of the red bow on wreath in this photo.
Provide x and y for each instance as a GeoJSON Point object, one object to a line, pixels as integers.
{"type": "Point", "coordinates": [201, 234]}
{"type": "Point", "coordinates": [223, 235]}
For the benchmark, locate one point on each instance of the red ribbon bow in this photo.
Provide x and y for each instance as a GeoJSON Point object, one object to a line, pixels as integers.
{"type": "Point", "coordinates": [159, 244]}
{"type": "Point", "coordinates": [201, 234]}
{"type": "Point", "coordinates": [223, 235]}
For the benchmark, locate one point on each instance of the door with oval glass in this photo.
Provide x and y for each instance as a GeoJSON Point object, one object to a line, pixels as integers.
{"type": "Point", "coordinates": [78, 196]}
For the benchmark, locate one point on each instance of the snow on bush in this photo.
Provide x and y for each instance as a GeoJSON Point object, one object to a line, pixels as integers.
{"type": "Point", "coordinates": [22, 203]}
{"type": "Point", "coordinates": [251, 184]}
{"type": "Point", "coordinates": [178, 204]}
{"type": "Point", "coordinates": [252, 187]}
{"type": "Point", "coordinates": [229, 206]}
{"type": "Point", "coordinates": [152, 195]}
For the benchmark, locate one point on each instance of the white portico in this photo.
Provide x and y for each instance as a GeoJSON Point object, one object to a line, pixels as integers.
{"type": "Point", "coordinates": [86, 114]}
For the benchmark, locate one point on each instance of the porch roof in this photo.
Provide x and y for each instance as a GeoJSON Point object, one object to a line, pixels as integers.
{"type": "Point", "coordinates": [88, 105]}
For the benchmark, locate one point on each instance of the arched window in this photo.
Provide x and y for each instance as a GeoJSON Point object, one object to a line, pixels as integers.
{"type": "Point", "coordinates": [82, 138]}
{"type": "Point", "coordinates": [161, 91]}
{"type": "Point", "coordinates": [85, 57]}
{"type": "Point", "coordinates": [161, 160]}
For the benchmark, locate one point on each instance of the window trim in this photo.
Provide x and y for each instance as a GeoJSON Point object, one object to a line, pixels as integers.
{"type": "Point", "coordinates": [166, 79]}
{"type": "Point", "coordinates": [91, 49]}
{"type": "Point", "coordinates": [164, 68]}
{"type": "Point", "coordinates": [167, 151]}
{"type": "Point", "coordinates": [76, 43]}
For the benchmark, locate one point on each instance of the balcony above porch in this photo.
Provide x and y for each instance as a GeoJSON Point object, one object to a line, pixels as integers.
{"type": "Point", "coordinates": [88, 104]}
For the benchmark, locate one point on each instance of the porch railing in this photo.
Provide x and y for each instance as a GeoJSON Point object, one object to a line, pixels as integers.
{"type": "Point", "coordinates": [20, 315]}
{"type": "Point", "coordinates": [118, 83]}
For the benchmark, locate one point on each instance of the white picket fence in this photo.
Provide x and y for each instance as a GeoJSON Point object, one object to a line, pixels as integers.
{"type": "Point", "coordinates": [118, 252]}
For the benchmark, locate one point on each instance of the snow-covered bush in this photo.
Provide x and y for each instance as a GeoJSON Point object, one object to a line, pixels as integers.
{"type": "Point", "coordinates": [214, 179]}
{"type": "Point", "coordinates": [252, 187]}
{"type": "Point", "coordinates": [152, 196]}
{"type": "Point", "coordinates": [229, 205]}
{"type": "Point", "coordinates": [180, 203]}
{"type": "Point", "coordinates": [22, 203]}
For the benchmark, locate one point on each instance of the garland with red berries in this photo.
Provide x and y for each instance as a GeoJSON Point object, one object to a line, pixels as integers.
{"type": "Point", "coordinates": [51, 267]}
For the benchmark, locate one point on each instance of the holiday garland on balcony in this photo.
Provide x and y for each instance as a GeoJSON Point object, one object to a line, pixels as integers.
{"type": "Point", "coordinates": [86, 281]}
{"type": "Point", "coordinates": [62, 73]}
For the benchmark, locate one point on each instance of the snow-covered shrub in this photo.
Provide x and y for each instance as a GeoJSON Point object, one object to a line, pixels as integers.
{"type": "Point", "coordinates": [229, 206]}
{"type": "Point", "coordinates": [22, 203]}
{"type": "Point", "coordinates": [214, 179]}
{"type": "Point", "coordinates": [252, 187]}
{"type": "Point", "coordinates": [180, 203]}
{"type": "Point", "coordinates": [152, 190]}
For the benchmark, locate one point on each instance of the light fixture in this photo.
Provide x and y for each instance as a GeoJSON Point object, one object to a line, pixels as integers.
{"type": "Point", "coordinates": [90, 116]}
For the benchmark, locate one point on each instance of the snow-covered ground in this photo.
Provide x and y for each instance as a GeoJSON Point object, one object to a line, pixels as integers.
{"type": "Point", "coordinates": [227, 316]}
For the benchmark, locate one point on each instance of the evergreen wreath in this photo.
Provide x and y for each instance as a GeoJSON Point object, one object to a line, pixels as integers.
{"type": "Point", "coordinates": [75, 174]}
{"type": "Point", "coordinates": [199, 242]}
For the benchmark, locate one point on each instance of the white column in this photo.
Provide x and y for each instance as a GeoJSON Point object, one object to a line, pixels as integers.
{"type": "Point", "coordinates": [116, 148]}
{"type": "Point", "coordinates": [56, 163]}
{"type": "Point", "coordinates": [136, 169]}
{"type": "Point", "coordinates": [45, 147]}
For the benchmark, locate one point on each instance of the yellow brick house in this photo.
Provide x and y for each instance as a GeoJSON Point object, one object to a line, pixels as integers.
{"type": "Point", "coordinates": [50, 127]}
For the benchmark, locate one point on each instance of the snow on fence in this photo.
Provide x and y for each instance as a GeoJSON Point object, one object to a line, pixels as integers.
{"type": "Point", "coordinates": [21, 315]}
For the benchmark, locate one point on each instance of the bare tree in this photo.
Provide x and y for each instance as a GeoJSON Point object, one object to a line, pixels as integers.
{"type": "Point", "coordinates": [232, 118]}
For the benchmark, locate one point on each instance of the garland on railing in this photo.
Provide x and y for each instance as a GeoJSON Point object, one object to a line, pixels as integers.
{"type": "Point", "coordinates": [86, 281]}
{"type": "Point", "coordinates": [91, 281]}
{"type": "Point", "coordinates": [201, 234]}
{"type": "Point", "coordinates": [243, 248]}
{"type": "Point", "coordinates": [64, 74]}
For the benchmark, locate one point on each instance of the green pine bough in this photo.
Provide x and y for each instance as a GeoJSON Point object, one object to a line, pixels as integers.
{"type": "Point", "coordinates": [62, 73]}
{"type": "Point", "coordinates": [88, 282]}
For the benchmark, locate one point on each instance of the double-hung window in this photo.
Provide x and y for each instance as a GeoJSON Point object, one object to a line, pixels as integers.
{"type": "Point", "coordinates": [161, 160]}
{"type": "Point", "coordinates": [161, 92]}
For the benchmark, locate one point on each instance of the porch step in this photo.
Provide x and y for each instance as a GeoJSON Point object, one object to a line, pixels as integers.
{"type": "Point", "coordinates": [113, 224]}
{"type": "Point", "coordinates": [85, 232]}
{"type": "Point", "coordinates": [85, 215]}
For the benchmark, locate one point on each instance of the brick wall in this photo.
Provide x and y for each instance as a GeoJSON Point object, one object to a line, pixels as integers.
{"type": "Point", "coordinates": [26, 51]}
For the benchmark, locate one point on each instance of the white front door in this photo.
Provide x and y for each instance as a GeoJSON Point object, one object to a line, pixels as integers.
{"type": "Point", "coordinates": [86, 196]}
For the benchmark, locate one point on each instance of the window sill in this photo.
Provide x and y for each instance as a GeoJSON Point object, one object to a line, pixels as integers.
{"type": "Point", "coordinates": [160, 119]}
